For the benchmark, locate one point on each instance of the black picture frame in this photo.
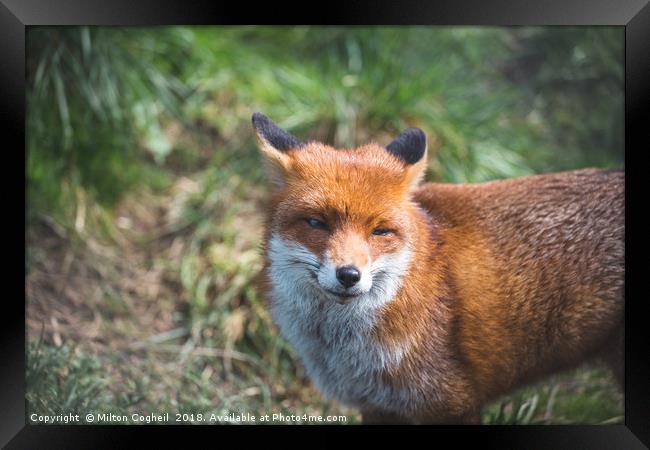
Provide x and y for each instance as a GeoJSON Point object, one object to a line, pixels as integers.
{"type": "Point", "coordinates": [634, 15]}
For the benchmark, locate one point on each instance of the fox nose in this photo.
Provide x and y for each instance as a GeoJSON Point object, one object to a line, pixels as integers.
{"type": "Point", "coordinates": [348, 276]}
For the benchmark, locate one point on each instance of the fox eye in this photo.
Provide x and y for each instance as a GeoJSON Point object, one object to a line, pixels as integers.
{"type": "Point", "coordinates": [382, 232]}
{"type": "Point", "coordinates": [315, 223]}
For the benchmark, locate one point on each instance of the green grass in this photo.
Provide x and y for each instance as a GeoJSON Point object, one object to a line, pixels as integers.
{"type": "Point", "coordinates": [66, 380]}
{"type": "Point", "coordinates": [145, 208]}
{"type": "Point", "coordinates": [587, 395]}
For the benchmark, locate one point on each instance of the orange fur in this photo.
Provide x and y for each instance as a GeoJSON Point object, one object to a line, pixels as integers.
{"type": "Point", "coordinates": [509, 281]}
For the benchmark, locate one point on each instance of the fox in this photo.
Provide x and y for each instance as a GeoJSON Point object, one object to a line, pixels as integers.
{"type": "Point", "coordinates": [419, 303]}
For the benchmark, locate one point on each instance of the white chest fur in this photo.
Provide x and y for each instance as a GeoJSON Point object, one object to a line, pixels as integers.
{"type": "Point", "coordinates": [335, 341]}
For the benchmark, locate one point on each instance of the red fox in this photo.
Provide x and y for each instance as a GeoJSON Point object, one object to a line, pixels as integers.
{"type": "Point", "coordinates": [420, 303]}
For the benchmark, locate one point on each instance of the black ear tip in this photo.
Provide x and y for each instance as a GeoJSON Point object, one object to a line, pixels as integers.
{"type": "Point", "coordinates": [417, 135]}
{"type": "Point", "coordinates": [274, 135]}
{"type": "Point", "coordinates": [259, 118]}
{"type": "Point", "coordinates": [419, 132]}
{"type": "Point", "coordinates": [409, 146]}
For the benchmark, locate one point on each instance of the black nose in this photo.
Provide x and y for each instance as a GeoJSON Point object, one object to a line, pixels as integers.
{"type": "Point", "coordinates": [348, 276]}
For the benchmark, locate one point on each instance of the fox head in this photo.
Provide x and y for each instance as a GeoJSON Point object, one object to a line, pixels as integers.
{"type": "Point", "coordinates": [341, 223]}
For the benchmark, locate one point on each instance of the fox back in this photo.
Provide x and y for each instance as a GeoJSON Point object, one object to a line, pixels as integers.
{"type": "Point", "coordinates": [421, 303]}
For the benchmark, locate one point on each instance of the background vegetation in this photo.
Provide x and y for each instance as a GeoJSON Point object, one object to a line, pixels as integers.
{"type": "Point", "coordinates": [145, 191]}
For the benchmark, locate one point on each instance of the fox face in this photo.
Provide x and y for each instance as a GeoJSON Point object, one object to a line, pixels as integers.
{"type": "Point", "coordinates": [340, 230]}
{"type": "Point", "coordinates": [339, 243]}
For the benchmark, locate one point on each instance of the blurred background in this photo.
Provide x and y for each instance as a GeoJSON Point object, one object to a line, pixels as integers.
{"type": "Point", "coordinates": [145, 191]}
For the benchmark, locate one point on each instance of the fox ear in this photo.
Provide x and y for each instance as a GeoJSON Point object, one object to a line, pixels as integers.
{"type": "Point", "coordinates": [274, 142]}
{"type": "Point", "coordinates": [411, 148]}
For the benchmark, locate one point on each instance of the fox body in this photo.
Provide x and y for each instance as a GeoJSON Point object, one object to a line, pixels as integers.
{"type": "Point", "coordinates": [421, 303]}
